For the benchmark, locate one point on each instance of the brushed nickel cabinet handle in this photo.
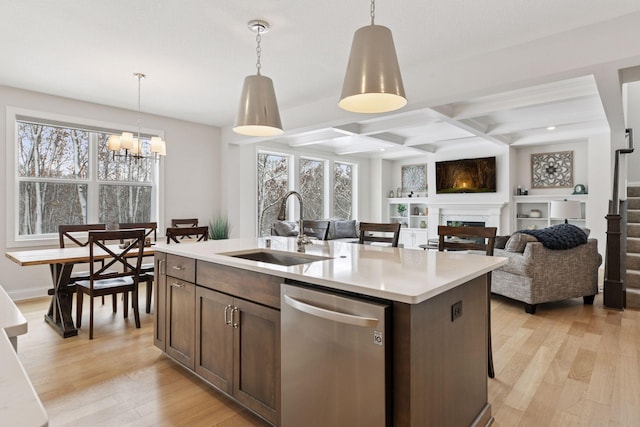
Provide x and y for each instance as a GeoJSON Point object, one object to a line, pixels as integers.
{"type": "Point", "coordinates": [235, 311]}
{"type": "Point", "coordinates": [227, 309]}
{"type": "Point", "coordinates": [177, 285]}
{"type": "Point", "coordinates": [178, 267]}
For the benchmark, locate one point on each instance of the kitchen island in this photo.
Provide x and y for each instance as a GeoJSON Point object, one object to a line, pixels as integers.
{"type": "Point", "coordinates": [218, 314]}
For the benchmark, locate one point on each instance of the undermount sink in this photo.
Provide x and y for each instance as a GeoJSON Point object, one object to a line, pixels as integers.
{"type": "Point", "coordinates": [276, 257]}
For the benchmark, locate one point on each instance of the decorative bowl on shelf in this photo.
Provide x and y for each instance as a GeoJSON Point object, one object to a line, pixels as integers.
{"type": "Point", "coordinates": [535, 213]}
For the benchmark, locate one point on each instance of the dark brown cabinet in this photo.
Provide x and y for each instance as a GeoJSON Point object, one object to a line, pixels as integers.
{"type": "Point", "coordinates": [179, 309]}
{"type": "Point", "coordinates": [159, 292]}
{"type": "Point", "coordinates": [206, 322]}
{"type": "Point", "coordinates": [238, 350]}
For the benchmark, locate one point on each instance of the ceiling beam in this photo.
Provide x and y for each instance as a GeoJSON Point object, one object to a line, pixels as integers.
{"type": "Point", "coordinates": [536, 95]}
{"type": "Point", "coordinates": [472, 127]}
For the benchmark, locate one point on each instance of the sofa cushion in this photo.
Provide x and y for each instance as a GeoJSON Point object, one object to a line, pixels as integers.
{"type": "Point", "coordinates": [286, 228]}
{"type": "Point", "coordinates": [501, 242]}
{"type": "Point", "coordinates": [343, 229]}
{"type": "Point", "coordinates": [518, 241]}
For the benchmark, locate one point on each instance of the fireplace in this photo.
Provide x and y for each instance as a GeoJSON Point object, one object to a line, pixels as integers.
{"type": "Point", "coordinates": [482, 214]}
{"type": "Point", "coordinates": [465, 223]}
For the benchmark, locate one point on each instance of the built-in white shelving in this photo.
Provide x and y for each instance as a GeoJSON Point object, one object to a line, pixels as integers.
{"type": "Point", "coordinates": [529, 207]}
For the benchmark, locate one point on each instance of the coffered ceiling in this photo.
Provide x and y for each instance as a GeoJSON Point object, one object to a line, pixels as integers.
{"type": "Point", "coordinates": [564, 111]}
{"type": "Point", "coordinates": [495, 71]}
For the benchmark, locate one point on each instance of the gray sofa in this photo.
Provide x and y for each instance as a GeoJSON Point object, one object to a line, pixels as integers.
{"type": "Point", "coordinates": [343, 230]}
{"type": "Point", "coordinates": [537, 275]}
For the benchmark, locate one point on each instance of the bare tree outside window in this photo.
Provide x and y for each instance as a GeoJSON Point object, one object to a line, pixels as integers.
{"type": "Point", "coordinates": [312, 187]}
{"type": "Point", "coordinates": [52, 170]}
{"type": "Point", "coordinates": [54, 180]}
{"type": "Point", "coordinates": [273, 182]}
{"type": "Point", "coordinates": [343, 190]}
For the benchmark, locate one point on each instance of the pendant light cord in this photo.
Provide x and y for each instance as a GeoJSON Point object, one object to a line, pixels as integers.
{"type": "Point", "coordinates": [373, 11]}
{"type": "Point", "coordinates": [139, 77]}
{"type": "Point", "coordinates": [258, 50]}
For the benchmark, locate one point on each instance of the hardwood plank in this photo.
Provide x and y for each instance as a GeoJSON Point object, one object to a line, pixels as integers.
{"type": "Point", "coordinates": [569, 364]}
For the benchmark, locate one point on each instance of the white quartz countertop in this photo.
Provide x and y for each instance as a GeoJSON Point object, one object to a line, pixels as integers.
{"type": "Point", "coordinates": [19, 402]}
{"type": "Point", "coordinates": [404, 275]}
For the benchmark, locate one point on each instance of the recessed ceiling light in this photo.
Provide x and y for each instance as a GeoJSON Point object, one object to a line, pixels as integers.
{"type": "Point", "coordinates": [551, 128]}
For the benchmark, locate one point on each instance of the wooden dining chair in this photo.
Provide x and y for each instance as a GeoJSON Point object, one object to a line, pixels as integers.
{"type": "Point", "coordinates": [371, 232]}
{"type": "Point", "coordinates": [316, 228]}
{"type": "Point", "coordinates": [184, 222]}
{"type": "Point", "coordinates": [472, 238]}
{"type": "Point", "coordinates": [126, 262]}
{"type": "Point", "coordinates": [196, 234]}
{"type": "Point", "coordinates": [78, 235]}
{"type": "Point", "coordinates": [150, 232]}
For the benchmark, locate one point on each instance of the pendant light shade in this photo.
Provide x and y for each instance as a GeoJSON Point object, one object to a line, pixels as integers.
{"type": "Point", "coordinates": [258, 113]}
{"type": "Point", "coordinates": [373, 83]}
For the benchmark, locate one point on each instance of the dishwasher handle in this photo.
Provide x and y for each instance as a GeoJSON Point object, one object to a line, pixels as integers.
{"type": "Point", "coordinates": [368, 322]}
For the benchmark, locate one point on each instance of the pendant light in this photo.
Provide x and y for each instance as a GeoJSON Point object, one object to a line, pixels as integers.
{"type": "Point", "coordinates": [131, 145]}
{"type": "Point", "coordinates": [373, 83]}
{"type": "Point", "coordinates": [258, 113]}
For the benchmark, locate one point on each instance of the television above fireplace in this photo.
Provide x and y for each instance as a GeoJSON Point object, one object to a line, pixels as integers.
{"type": "Point", "coordinates": [466, 176]}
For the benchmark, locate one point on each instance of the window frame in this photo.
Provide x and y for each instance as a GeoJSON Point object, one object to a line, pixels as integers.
{"type": "Point", "coordinates": [12, 194]}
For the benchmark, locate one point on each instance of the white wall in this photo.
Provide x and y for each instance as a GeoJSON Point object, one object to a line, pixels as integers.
{"type": "Point", "coordinates": [483, 149]}
{"type": "Point", "coordinates": [633, 121]}
{"type": "Point", "coordinates": [591, 167]}
{"type": "Point", "coordinates": [192, 171]}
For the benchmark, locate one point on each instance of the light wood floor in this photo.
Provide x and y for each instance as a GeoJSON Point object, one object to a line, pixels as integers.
{"type": "Point", "coordinates": [567, 365]}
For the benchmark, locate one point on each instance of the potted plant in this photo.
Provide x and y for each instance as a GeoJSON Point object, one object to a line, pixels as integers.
{"type": "Point", "coordinates": [219, 227]}
{"type": "Point", "coordinates": [402, 209]}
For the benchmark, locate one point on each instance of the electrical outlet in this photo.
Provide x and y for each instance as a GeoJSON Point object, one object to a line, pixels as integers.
{"type": "Point", "coordinates": [456, 310]}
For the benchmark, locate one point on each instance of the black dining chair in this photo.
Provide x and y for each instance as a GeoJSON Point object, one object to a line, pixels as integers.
{"type": "Point", "coordinates": [184, 223]}
{"type": "Point", "coordinates": [150, 232]}
{"type": "Point", "coordinates": [472, 238]}
{"type": "Point", "coordinates": [78, 235]}
{"type": "Point", "coordinates": [196, 234]}
{"type": "Point", "coordinates": [126, 261]}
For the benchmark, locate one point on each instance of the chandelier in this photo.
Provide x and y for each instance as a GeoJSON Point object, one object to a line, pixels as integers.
{"type": "Point", "coordinates": [129, 146]}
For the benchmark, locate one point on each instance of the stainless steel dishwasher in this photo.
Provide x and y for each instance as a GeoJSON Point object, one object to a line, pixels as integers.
{"type": "Point", "coordinates": [334, 359]}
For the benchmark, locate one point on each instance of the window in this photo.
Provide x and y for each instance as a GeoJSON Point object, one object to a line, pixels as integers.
{"type": "Point", "coordinates": [343, 185]}
{"type": "Point", "coordinates": [312, 187]}
{"type": "Point", "coordinates": [66, 175]}
{"type": "Point", "coordinates": [325, 194]}
{"type": "Point", "coordinates": [273, 182]}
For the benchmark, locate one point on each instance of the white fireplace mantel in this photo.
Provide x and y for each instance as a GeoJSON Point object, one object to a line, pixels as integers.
{"type": "Point", "coordinates": [488, 212]}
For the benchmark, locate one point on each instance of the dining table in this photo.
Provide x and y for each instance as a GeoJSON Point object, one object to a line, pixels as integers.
{"type": "Point", "coordinates": [61, 262]}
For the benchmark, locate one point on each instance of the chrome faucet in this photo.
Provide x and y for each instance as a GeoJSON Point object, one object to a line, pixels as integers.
{"type": "Point", "coordinates": [302, 238]}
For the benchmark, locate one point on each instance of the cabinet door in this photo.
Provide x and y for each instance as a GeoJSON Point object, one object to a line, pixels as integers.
{"type": "Point", "coordinates": [180, 321]}
{"type": "Point", "coordinates": [159, 292]}
{"type": "Point", "coordinates": [214, 338]}
{"type": "Point", "coordinates": [256, 379]}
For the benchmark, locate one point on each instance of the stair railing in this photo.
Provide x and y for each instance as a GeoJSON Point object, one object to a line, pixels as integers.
{"type": "Point", "coordinates": [615, 266]}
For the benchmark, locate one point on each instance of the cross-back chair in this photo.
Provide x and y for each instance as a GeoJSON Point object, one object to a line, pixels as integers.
{"type": "Point", "coordinates": [197, 234]}
{"type": "Point", "coordinates": [78, 235]}
{"type": "Point", "coordinates": [184, 223]}
{"type": "Point", "coordinates": [371, 232]}
{"type": "Point", "coordinates": [150, 232]}
{"type": "Point", "coordinates": [112, 270]}
{"type": "Point", "coordinates": [316, 228]}
{"type": "Point", "coordinates": [472, 238]}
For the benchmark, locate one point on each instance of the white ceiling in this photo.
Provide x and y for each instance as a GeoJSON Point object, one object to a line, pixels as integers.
{"type": "Point", "coordinates": [197, 52]}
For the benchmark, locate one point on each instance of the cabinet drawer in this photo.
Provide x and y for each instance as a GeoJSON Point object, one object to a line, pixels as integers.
{"type": "Point", "coordinates": [249, 285]}
{"type": "Point", "coordinates": [181, 268]}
